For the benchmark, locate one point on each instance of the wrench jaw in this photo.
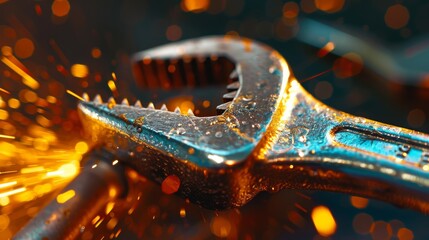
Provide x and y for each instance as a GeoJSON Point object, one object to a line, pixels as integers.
{"type": "Point", "coordinates": [157, 150]}
{"type": "Point", "coordinates": [210, 155]}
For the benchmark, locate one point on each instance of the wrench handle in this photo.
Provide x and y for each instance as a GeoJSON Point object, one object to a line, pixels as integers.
{"type": "Point", "coordinates": [322, 148]}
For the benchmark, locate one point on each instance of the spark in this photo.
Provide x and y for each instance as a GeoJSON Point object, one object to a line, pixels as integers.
{"type": "Point", "coordinates": [59, 52]}
{"type": "Point", "coordinates": [75, 95]}
{"type": "Point", "coordinates": [112, 87]}
{"type": "Point", "coordinates": [8, 184]}
{"type": "Point", "coordinates": [95, 220]}
{"type": "Point", "coordinates": [27, 79]}
{"type": "Point", "coordinates": [109, 207]}
{"type": "Point", "coordinates": [4, 90]}
{"type": "Point", "coordinates": [64, 197]}
{"type": "Point", "coordinates": [12, 192]}
{"type": "Point", "coordinates": [7, 136]}
{"type": "Point", "coordinates": [316, 75]}
{"type": "Point", "coordinates": [32, 169]}
{"type": "Point", "coordinates": [297, 205]}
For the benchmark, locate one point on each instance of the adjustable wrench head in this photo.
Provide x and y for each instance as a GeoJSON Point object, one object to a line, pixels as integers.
{"type": "Point", "coordinates": [211, 155]}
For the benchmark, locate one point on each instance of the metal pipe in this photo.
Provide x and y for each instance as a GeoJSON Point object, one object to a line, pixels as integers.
{"type": "Point", "coordinates": [100, 181]}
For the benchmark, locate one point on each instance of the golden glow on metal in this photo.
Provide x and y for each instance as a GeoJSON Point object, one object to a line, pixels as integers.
{"type": "Point", "coordinates": [276, 126]}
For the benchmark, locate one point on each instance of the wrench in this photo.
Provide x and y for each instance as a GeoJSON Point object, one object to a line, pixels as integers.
{"type": "Point", "coordinates": [271, 135]}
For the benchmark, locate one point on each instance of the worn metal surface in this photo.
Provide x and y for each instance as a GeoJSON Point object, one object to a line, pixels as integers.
{"type": "Point", "coordinates": [272, 135]}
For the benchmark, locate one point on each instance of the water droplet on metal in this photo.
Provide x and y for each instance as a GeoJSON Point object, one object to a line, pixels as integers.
{"type": "Point", "coordinates": [302, 152]}
{"type": "Point", "coordinates": [181, 131]}
{"type": "Point", "coordinates": [250, 105]}
{"type": "Point", "coordinates": [218, 134]}
{"type": "Point", "coordinates": [247, 97]}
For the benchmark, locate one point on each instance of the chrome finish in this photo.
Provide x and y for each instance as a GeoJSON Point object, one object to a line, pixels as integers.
{"type": "Point", "coordinates": [272, 135]}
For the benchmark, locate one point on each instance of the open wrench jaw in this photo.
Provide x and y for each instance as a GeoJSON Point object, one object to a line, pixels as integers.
{"type": "Point", "coordinates": [208, 154]}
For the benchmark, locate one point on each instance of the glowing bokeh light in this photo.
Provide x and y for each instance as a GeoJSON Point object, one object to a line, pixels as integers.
{"type": "Point", "coordinates": [397, 16]}
{"type": "Point", "coordinates": [66, 196]}
{"type": "Point", "coordinates": [359, 202]}
{"type": "Point", "coordinates": [323, 221]}
{"type": "Point", "coordinates": [24, 48]}
{"type": "Point", "coordinates": [170, 184]}
{"type": "Point", "coordinates": [79, 70]}
{"type": "Point", "coordinates": [220, 227]}
{"type": "Point", "coordinates": [329, 6]}
{"type": "Point", "coordinates": [290, 10]}
{"type": "Point", "coordinates": [60, 8]}
{"type": "Point", "coordinates": [195, 5]}
{"type": "Point", "coordinates": [173, 32]}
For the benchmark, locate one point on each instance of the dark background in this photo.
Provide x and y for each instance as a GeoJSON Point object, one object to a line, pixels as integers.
{"type": "Point", "coordinates": [122, 28]}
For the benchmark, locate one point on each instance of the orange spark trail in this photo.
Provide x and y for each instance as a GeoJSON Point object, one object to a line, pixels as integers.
{"type": "Point", "coordinates": [59, 52]}
{"type": "Point", "coordinates": [315, 76]}
{"type": "Point", "coordinates": [7, 136]}
{"type": "Point", "coordinates": [27, 79]}
{"type": "Point", "coordinates": [112, 87]}
{"type": "Point", "coordinates": [75, 95]}
{"type": "Point", "coordinates": [4, 90]}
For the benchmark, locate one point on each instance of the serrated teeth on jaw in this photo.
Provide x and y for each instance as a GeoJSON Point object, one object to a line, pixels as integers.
{"type": "Point", "coordinates": [190, 113]}
{"type": "Point", "coordinates": [234, 74]}
{"type": "Point", "coordinates": [125, 102]}
{"type": "Point", "coordinates": [164, 107]}
{"type": "Point", "coordinates": [177, 110]}
{"type": "Point", "coordinates": [138, 104]}
{"type": "Point", "coordinates": [98, 99]}
{"type": "Point", "coordinates": [151, 106]}
{"type": "Point", "coordinates": [111, 100]}
{"type": "Point", "coordinates": [233, 86]}
{"type": "Point", "coordinates": [85, 96]}
{"type": "Point", "coordinates": [229, 96]}
{"type": "Point", "coordinates": [222, 108]}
